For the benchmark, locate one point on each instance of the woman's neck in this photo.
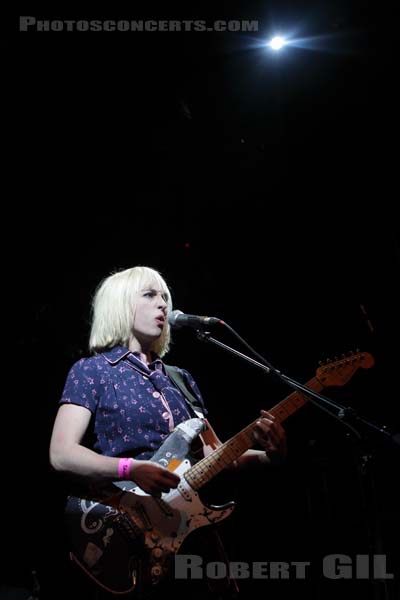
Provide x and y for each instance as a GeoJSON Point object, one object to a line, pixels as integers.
{"type": "Point", "coordinates": [145, 356]}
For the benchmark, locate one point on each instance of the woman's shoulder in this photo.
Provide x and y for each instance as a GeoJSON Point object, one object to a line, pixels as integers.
{"type": "Point", "coordinates": [89, 364]}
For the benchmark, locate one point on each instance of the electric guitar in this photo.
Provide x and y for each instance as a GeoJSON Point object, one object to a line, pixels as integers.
{"type": "Point", "coordinates": [125, 539]}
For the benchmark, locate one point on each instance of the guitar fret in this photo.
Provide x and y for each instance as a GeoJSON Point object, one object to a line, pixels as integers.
{"type": "Point", "coordinates": [208, 467]}
{"type": "Point", "coordinates": [293, 402]}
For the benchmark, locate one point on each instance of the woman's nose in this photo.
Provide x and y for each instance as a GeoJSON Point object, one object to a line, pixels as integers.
{"type": "Point", "coordinates": [162, 303]}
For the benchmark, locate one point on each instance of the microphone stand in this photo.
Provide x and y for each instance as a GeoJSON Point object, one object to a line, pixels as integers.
{"type": "Point", "coordinates": [374, 537]}
{"type": "Point", "coordinates": [316, 398]}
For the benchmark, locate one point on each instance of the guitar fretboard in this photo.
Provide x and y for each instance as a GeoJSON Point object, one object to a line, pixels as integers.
{"type": "Point", "coordinates": [224, 455]}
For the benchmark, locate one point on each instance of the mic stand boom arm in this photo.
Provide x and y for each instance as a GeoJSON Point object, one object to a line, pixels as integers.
{"type": "Point", "coordinates": [317, 399]}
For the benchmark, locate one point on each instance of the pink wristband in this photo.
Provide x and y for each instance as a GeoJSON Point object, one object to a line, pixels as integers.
{"type": "Point", "coordinates": [124, 467]}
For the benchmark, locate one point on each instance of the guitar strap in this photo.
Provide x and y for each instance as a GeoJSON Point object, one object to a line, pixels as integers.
{"type": "Point", "coordinates": [226, 587]}
{"type": "Point", "coordinates": [177, 379]}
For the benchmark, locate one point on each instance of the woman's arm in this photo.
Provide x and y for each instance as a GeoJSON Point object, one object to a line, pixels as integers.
{"type": "Point", "coordinates": [69, 456]}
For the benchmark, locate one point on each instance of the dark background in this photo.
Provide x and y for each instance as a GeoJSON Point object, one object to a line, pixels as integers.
{"type": "Point", "coordinates": [262, 187]}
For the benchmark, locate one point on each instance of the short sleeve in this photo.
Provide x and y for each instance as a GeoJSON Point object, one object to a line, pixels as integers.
{"type": "Point", "coordinates": [83, 385]}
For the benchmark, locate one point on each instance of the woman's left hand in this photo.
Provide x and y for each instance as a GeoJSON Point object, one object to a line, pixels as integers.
{"type": "Point", "coordinates": [271, 436]}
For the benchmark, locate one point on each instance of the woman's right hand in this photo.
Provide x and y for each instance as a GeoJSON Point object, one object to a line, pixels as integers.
{"type": "Point", "coordinates": [153, 478]}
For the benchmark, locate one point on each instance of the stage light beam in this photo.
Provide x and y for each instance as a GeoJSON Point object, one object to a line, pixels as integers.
{"type": "Point", "coordinates": [277, 42]}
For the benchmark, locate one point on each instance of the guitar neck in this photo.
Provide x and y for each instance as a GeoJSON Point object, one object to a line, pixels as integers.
{"type": "Point", "coordinates": [294, 401]}
{"type": "Point", "coordinates": [227, 453]}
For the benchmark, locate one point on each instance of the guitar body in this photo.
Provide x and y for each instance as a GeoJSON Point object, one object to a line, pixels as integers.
{"type": "Point", "coordinates": [128, 540]}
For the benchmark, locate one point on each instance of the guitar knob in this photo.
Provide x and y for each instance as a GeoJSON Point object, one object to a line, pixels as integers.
{"type": "Point", "coordinates": [156, 571]}
{"type": "Point", "coordinates": [157, 552]}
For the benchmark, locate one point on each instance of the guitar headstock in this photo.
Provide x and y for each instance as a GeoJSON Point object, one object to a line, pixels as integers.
{"type": "Point", "coordinates": [340, 371]}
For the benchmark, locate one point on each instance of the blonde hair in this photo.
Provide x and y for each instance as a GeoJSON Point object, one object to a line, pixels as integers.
{"type": "Point", "coordinates": [113, 308]}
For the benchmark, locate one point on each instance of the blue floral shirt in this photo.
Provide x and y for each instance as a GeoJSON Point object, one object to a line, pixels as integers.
{"type": "Point", "coordinates": [134, 406]}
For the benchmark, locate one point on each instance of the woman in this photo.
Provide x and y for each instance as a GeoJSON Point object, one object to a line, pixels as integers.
{"type": "Point", "coordinates": [120, 404]}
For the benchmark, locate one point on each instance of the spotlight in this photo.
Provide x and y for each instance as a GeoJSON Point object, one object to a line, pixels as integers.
{"type": "Point", "coordinates": [277, 42]}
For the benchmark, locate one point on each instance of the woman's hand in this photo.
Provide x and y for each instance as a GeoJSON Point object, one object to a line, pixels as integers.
{"type": "Point", "coordinates": [271, 436]}
{"type": "Point", "coordinates": [153, 478]}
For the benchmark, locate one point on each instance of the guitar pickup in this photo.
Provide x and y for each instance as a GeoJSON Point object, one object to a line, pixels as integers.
{"type": "Point", "coordinates": [163, 506]}
{"type": "Point", "coordinates": [142, 515]}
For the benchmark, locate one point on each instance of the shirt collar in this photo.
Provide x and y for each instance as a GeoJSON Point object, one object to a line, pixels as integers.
{"type": "Point", "coordinates": [115, 355]}
{"type": "Point", "coordinates": [118, 353]}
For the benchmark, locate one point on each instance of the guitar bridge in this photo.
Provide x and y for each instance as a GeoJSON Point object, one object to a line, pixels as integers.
{"type": "Point", "coordinates": [128, 529]}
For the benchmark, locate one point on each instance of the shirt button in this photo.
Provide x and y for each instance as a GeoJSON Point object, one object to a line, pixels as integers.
{"type": "Point", "coordinates": [156, 394]}
{"type": "Point", "coordinates": [165, 416]}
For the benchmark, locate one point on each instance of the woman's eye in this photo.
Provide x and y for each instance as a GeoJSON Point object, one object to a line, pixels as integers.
{"type": "Point", "coordinates": [153, 294]}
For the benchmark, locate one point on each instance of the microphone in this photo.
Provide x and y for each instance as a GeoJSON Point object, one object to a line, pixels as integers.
{"type": "Point", "coordinates": [178, 319]}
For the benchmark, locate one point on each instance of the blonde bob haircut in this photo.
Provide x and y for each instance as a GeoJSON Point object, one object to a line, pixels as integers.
{"type": "Point", "coordinates": [113, 309]}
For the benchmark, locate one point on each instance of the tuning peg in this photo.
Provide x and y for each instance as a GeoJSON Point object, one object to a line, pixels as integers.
{"type": "Point", "coordinates": [328, 360]}
{"type": "Point", "coordinates": [320, 362]}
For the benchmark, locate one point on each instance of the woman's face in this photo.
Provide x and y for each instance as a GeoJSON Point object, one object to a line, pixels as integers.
{"type": "Point", "coordinates": [150, 315]}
